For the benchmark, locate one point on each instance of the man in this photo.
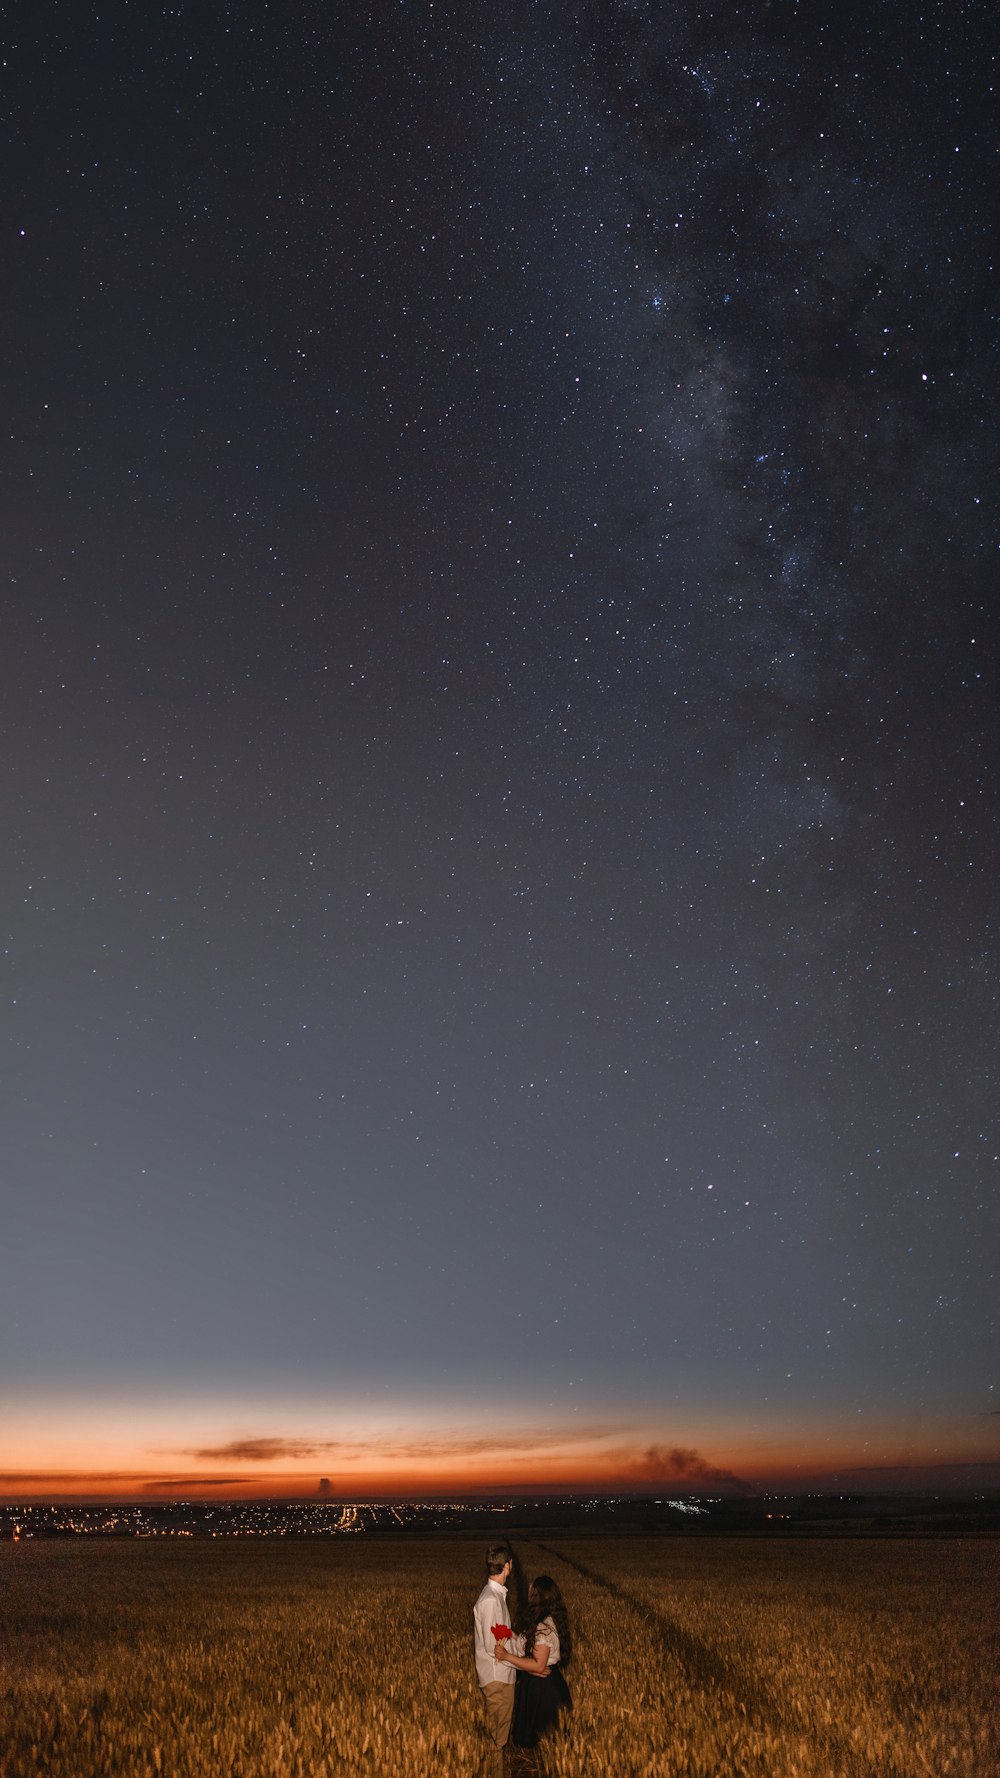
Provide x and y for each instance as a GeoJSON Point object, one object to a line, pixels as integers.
{"type": "Point", "coordinates": [496, 1678]}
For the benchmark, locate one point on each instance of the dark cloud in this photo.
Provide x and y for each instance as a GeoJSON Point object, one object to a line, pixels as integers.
{"type": "Point", "coordinates": [58, 1478]}
{"type": "Point", "coordinates": [263, 1450]}
{"type": "Point", "coordinates": [170, 1484]}
{"type": "Point", "coordinates": [269, 1448]}
{"type": "Point", "coordinates": [673, 1463]}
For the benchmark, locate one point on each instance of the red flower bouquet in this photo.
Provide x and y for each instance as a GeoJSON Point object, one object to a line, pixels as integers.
{"type": "Point", "coordinates": [501, 1633]}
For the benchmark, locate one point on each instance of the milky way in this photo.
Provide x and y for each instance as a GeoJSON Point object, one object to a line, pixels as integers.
{"type": "Point", "coordinates": [500, 760]}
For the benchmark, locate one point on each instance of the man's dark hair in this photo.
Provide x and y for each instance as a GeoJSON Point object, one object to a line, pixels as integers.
{"type": "Point", "coordinates": [497, 1558]}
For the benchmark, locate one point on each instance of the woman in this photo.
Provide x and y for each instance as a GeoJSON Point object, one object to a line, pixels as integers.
{"type": "Point", "coordinates": [541, 1691]}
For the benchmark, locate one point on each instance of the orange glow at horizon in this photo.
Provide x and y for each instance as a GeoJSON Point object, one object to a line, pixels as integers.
{"type": "Point", "coordinates": [221, 1445]}
{"type": "Point", "coordinates": [670, 1469]}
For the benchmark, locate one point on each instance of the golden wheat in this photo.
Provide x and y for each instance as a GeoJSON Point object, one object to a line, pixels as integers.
{"type": "Point", "coordinates": [694, 1659]}
{"type": "Point", "coordinates": [813, 1660]}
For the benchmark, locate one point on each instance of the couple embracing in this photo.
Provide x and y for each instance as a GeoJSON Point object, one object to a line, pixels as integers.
{"type": "Point", "coordinates": [520, 1672]}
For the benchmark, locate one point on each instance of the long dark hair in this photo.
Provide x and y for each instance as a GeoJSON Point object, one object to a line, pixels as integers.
{"type": "Point", "coordinates": [517, 1585]}
{"type": "Point", "coordinates": [545, 1600]}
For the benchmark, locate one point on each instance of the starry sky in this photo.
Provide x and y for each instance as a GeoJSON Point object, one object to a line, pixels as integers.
{"type": "Point", "coordinates": [500, 793]}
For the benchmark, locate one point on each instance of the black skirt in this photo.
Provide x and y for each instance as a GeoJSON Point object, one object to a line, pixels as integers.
{"type": "Point", "coordinates": [538, 1704]}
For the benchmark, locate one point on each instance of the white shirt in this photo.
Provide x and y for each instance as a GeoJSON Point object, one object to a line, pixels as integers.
{"type": "Point", "coordinates": [548, 1634]}
{"type": "Point", "coordinates": [491, 1608]}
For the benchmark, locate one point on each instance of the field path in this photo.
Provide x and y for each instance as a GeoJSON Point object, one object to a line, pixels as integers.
{"type": "Point", "coordinates": [708, 1671]}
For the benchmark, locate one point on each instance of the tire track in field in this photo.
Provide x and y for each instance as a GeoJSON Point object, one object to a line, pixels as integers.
{"type": "Point", "coordinates": [710, 1672]}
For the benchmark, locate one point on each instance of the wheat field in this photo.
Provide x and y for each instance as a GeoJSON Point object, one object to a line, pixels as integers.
{"type": "Point", "coordinates": [694, 1658]}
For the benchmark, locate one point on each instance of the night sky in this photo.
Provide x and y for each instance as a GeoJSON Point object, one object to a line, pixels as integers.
{"type": "Point", "coordinates": [499, 747]}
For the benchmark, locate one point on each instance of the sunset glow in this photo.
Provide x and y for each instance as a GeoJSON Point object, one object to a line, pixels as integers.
{"type": "Point", "coordinates": [199, 1451]}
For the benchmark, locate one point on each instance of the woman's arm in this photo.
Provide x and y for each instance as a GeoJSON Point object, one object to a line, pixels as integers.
{"type": "Point", "coordinates": [536, 1663]}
